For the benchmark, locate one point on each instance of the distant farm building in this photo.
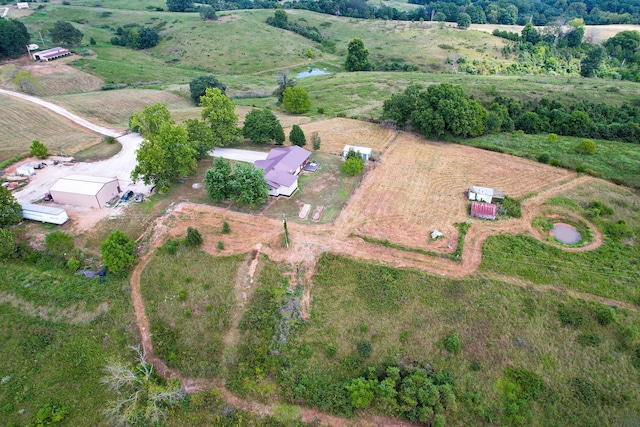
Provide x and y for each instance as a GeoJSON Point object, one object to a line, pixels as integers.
{"type": "Point", "coordinates": [22, 5]}
{"type": "Point", "coordinates": [44, 213]}
{"type": "Point", "coordinates": [365, 152]}
{"type": "Point", "coordinates": [281, 169]}
{"type": "Point", "coordinates": [484, 210]}
{"type": "Point", "coordinates": [484, 194]}
{"type": "Point", "coordinates": [82, 190]}
{"type": "Point", "coordinates": [50, 54]}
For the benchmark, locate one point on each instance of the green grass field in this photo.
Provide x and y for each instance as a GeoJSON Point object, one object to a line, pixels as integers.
{"type": "Point", "coordinates": [406, 315]}
{"type": "Point", "coordinates": [52, 367]}
{"type": "Point", "coordinates": [190, 312]}
{"type": "Point", "coordinates": [609, 271]}
{"type": "Point", "coordinates": [613, 160]}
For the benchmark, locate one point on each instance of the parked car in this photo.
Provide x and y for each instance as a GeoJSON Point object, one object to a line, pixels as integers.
{"type": "Point", "coordinates": [127, 195]}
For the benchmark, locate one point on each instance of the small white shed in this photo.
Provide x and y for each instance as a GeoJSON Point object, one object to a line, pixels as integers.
{"type": "Point", "coordinates": [25, 170]}
{"type": "Point", "coordinates": [365, 152]}
{"type": "Point", "coordinates": [44, 213]}
{"type": "Point", "coordinates": [22, 5]}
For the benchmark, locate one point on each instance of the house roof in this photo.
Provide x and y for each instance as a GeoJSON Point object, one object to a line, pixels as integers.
{"type": "Point", "coordinates": [483, 210]}
{"type": "Point", "coordinates": [281, 165]}
{"type": "Point", "coordinates": [361, 150]}
{"type": "Point", "coordinates": [81, 184]}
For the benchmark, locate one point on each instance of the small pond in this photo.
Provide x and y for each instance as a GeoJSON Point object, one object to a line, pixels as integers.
{"type": "Point", "coordinates": [311, 72]}
{"type": "Point", "coordinates": [566, 233]}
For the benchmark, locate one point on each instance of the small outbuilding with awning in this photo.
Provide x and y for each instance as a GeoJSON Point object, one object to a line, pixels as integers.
{"type": "Point", "coordinates": [84, 190]}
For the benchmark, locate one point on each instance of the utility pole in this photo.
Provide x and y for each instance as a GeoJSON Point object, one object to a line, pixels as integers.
{"type": "Point", "coordinates": [286, 232]}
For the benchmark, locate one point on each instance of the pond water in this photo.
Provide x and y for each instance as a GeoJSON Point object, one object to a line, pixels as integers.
{"type": "Point", "coordinates": [311, 72]}
{"type": "Point", "coordinates": [566, 233]}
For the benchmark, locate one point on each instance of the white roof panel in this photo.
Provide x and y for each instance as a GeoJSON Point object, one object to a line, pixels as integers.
{"type": "Point", "coordinates": [42, 209]}
{"type": "Point", "coordinates": [81, 184]}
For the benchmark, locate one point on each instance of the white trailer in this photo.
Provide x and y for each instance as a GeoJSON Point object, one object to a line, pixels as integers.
{"type": "Point", "coordinates": [44, 213]}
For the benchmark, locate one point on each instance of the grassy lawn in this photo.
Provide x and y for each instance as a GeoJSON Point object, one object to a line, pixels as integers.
{"type": "Point", "coordinates": [406, 315]}
{"type": "Point", "coordinates": [328, 187]}
{"type": "Point", "coordinates": [609, 271]}
{"type": "Point", "coordinates": [613, 160]}
{"type": "Point", "coordinates": [47, 365]}
{"type": "Point", "coordinates": [101, 151]}
{"type": "Point", "coordinates": [189, 299]}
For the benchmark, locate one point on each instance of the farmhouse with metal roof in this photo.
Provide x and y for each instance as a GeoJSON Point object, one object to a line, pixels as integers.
{"type": "Point", "coordinates": [281, 169]}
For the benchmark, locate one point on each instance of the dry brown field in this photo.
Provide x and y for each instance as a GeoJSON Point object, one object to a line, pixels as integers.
{"type": "Point", "coordinates": [338, 132]}
{"type": "Point", "coordinates": [112, 108]}
{"type": "Point", "coordinates": [419, 186]}
{"type": "Point", "coordinates": [21, 122]}
{"type": "Point", "coordinates": [600, 33]}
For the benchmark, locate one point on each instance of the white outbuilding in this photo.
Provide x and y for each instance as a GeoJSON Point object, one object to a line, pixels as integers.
{"type": "Point", "coordinates": [84, 190]}
{"type": "Point", "coordinates": [44, 213]}
{"type": "Point", "coordinates": [365, 152]}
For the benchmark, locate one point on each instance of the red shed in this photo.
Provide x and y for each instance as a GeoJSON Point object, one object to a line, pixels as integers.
{"type": "Point", "coordinates": [483, 210]}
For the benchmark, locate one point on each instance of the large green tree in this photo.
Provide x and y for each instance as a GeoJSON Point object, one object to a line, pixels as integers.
{"type": "Point", "coordinates": [64, 32]}
{"type": "Point", "coordinates": [118, 251]}
{"type": "Point", "coordinates": [149, 121]}
{"type": "Point", "coordinates": [262, 126]}
{"type": "Point", "coordinates": [439, 110]}
{"type": "Point", "coordinates": [217, 180]}
{"type": "Point", "coordinates": [179, 5]}
{"type": "Point", "coordinates": [219, 112]}
{"type": "Point", "coordinates": [248, 186]}
{"type": "Point", "coordinates": [14, 38]}
{"type": "Point", "coordinates": [623, 45]}
{"type": "Point", "coordinates": [464, 21]}
{"type": "Point", "coordinates": [593, 62]}
{"type": "Point", "coordinates": [199, 85]}
{"type": "Point", "coordinates": [283, 81]}
{"type": "Point", "coordinates": [200, 137]}
{"type": "Point", "coordinates": [296, 136]}
{"type": "Point", "coordinates": [357, 57]}
{"type": "Point", "coordinates": [10, 209]}
{"type": "Point", "coordinates": [164, 156]}
{"type": "Point", "coordinates": [296, 100]}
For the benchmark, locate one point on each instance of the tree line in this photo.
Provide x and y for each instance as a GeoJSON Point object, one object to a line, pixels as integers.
{"type": "Point", "coordinates": [445, 109]}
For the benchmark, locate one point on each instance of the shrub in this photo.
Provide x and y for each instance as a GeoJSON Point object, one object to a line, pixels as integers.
{"type": "Point", "coordinates": [118, 251]}
{"type": "Point", "coordinates": [171, 246]}
{"type": "Point", "coordinates": [296, 100]}
{"type": "Point", "coordinates": [605, 315]}
{"type": "Point", "coordinates": [110, 139]}
{"type": "Point", "coordinates": [8, 245]}
{"type": "Point", "coordinates": [552, 137]}
{"type": "Point", "coordinates": [331, 350]}
{"type": "Point", "coordinates": [315, 141]}
{"type": "Point", "coordinates": [588, 340]}
{"type": "Point", "coordinates": [194, 238]}
{"type": "Point", "coordinates": [570, 316]}
{"type": "Point", "coordinates": [73, 264]}
{"type": "Point", "coordinates": [39, 150]}
{"type": "Point", "coordinates": [586, 146]}
{"type": "Point", "coordinates": [59, 243]}
{"type": "Point", "coordinates": [452, 343]}
{"type": "Point", "coordinates": [296, 136]}
{"type": "Point", "coordinates": [364, 348]}
{"type": "Point", "coordinates": [544, 158]}
{"type": "Point", "coordinates": [364, 328]}
{"type": "Point", "coordinates": [182, 295]}
{"type": "Point", "coordinates": [225, 228]}
{"type": "Point", "coordinates": [220, 245]}
{"type": "Point", "coordinates": [353, 166]}
{"type": "Point", "coordinates": [187, 313]}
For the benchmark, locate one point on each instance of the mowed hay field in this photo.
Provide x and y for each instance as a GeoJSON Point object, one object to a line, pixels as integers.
{"type": "Point", "coordinates": [58, 78]}
{"type": "Point", "coordinates": [338, 132]}
{"type": "Point", "coordinates": [22, 122]}
{"type": "Point", "coordinates": [113, 108]}
{"type": "Point", "coordinates": [419, 186]}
